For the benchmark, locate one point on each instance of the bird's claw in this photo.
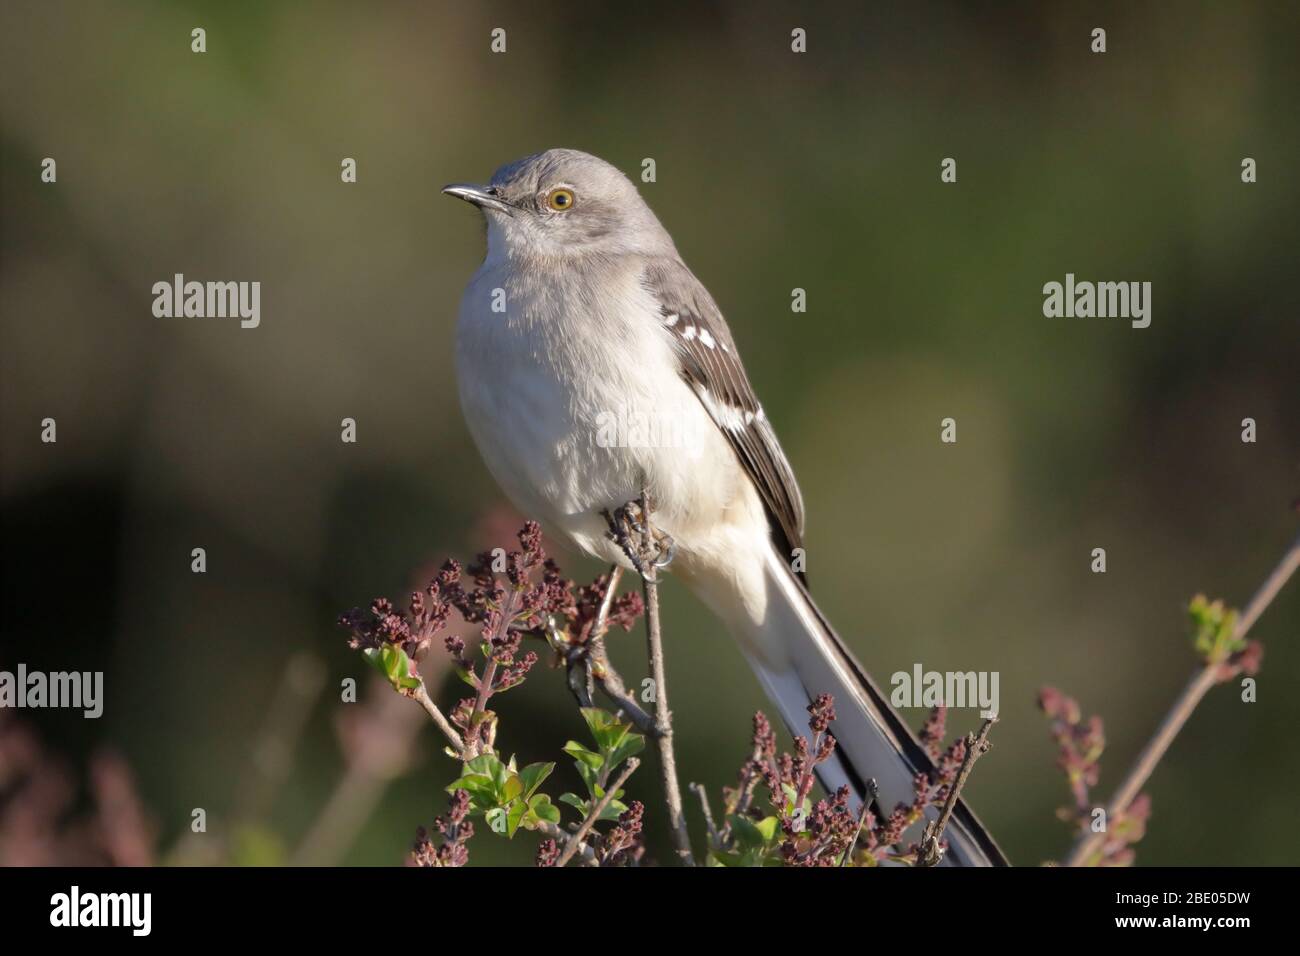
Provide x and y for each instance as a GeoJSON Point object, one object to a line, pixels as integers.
{"type": "Point", "coordinates": [581, 680]}
{"type": "Point", "coordinates": [667, 551]}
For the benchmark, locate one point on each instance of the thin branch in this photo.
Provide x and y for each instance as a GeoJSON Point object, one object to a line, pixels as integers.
{"type": "Point", "coordinates": [1187, 701]}
{"type": "Point", "coordinates": [421, 696]}
{"type": "Point", "coordinates": [744, 794]}
{"type": "Point", "coordinates": [976, 747]}
{"type": "Point", "coordinates": [698, 790]}
{"type": "Point", "coordinates": [649, 550]}
{"type": "Point", "coordinates": [601, 627]}
{"type": "Point", "coordinates": [571, 847]}
{"type": "Point", "coordinates": [663, 716]}
{"type": "Point", "coordinates": [868, 798]}
{"type": "Point", "coordinates": [1269, 589]}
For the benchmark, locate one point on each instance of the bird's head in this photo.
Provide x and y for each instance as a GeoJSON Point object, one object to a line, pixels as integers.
{"type": "Point", "coordinates": [564, 203]}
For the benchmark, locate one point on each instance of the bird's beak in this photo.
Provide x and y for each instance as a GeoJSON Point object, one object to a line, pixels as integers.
{"type": "Point", "coordinates": [485, 197]}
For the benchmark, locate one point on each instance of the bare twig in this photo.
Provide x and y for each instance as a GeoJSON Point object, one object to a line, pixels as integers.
{"type": "Point", "coordinates": [575, 841]}
{"type": "Point", "coordinates": [649, 550]}
{"type": "Point", "coordinates": [1269, 589]}
{"type": "Point", "coordinates": [421, 696]}
{"type": "Point", "coordinates": [601, 627]}
{"type": "Point", "coordinates": [873, 790]}
{"type": "Point", "coordinates": [698, 790]}
{"type": "Point", "coordinates": [976, 747]}
{"type": "Point", "coordinates": [744, 794]}
{"type": "Point", "coordinates": [663, 716]}
{"type": "Point", "coordinates": [1182, 709]}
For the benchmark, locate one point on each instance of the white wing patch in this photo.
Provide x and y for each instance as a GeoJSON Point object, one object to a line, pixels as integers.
{"type": "Point", "coordinates": [725, 414]}
{"type": "Point", "coordinates": [711, 365]}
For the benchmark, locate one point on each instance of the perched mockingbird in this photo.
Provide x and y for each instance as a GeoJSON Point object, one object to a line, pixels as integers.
{"type": "Point", "coordinates": [584, 312]}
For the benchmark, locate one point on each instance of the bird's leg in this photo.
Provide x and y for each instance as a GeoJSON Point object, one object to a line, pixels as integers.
{"type": "Point", "coordinates": [580, 676]}
{"type": "Point", "coordinates": [589, 666]}
{"type": "Point", "coordinates": [647, 547]}
{"type": "Point", "coordinates": [627, 531]}
{"type": "Point", "coordinates": [574, 657]}
{"type": "Point", "coordinates": [601, 624]}
{"type": "Point", "coordinates": [602, 671]}
{"type": "Point", "coordinates": [590, 654]}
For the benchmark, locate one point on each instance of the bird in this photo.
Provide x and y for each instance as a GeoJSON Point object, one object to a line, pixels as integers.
{"type": "Point", "coordinates": [583, 313]}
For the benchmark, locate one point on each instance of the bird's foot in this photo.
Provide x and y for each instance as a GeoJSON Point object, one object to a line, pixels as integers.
{"type": "Point", "coordinates": [645, 546]}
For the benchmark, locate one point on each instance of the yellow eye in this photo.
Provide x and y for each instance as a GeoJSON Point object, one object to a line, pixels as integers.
{"type": "Point", "coordinates": [560, 199]}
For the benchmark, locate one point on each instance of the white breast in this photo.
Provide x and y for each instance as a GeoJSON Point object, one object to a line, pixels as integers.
{"type": "Point", "coordinates": [575, 400]}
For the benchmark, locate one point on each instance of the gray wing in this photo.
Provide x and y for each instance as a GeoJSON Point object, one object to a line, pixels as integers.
{"type": "Point", "coordinates": [711, 365]}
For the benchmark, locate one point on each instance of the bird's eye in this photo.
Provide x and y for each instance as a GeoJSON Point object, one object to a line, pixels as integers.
{"type": "Point", "coordinates": [560, 199]}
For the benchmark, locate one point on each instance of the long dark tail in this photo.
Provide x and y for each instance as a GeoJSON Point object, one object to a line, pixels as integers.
{"type": "Point", "coordinates": [874, 743]}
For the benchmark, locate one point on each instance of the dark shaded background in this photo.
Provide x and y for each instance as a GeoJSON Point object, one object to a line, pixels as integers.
{"type": "Point", "coordinates": [774, 171]}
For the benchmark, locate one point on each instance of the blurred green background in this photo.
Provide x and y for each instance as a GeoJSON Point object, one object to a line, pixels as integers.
{"type": "Point", "coordinates": [775, 171]}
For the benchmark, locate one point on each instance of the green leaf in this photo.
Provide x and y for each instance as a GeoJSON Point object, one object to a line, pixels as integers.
{"type": "Point", "coordinates": [575, 801]}
{"type": "Point", "coordinates": [391, 661]}
{"type": "Point", "coordinates": [631, 745]}
{"type": "Point", "coordinates": [751, 835]}
{"type": "Point", "coordinates": [605, 728]}
{"type": "Point", "coordinates": [613, 810]}
{"type": "Point", "coordinates": [592, 759]}
{"type": "Point", "coordinates": [767, 828]}
{"type": "Point", "coordinates": [541, 807]}
{"type": "Point", "coordinates": [597, 719]}
{"type": "Point", "coordinates": [513, 787]}
{"type": "Point", "coordinates": [396, 666]}
{"type": "Point", "coordinates": [482, 791]}
{"type": "Point", "coordinates": [1214, 629]}
{"type": "Point", "coordinates": [486, 775]}
{"type": "Point", "coordinates": [470, 782]}
{"type": "Point", "coordinates": [518, 810]}
{"type": "Point", "coordinates": [588, 763]}
{"type": "Point", "coordinates": [533, 775]}
{"type": "Point", "coordinates": [590, 778]}
{"type": "Point", "coordinates": [584, 807]}
{"type": "Point", "coordinates": [491, 765]}
{"type": "Point", "coordinates": [371, 654]}
{"type": "Point", "coordinates": [483, 763]}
